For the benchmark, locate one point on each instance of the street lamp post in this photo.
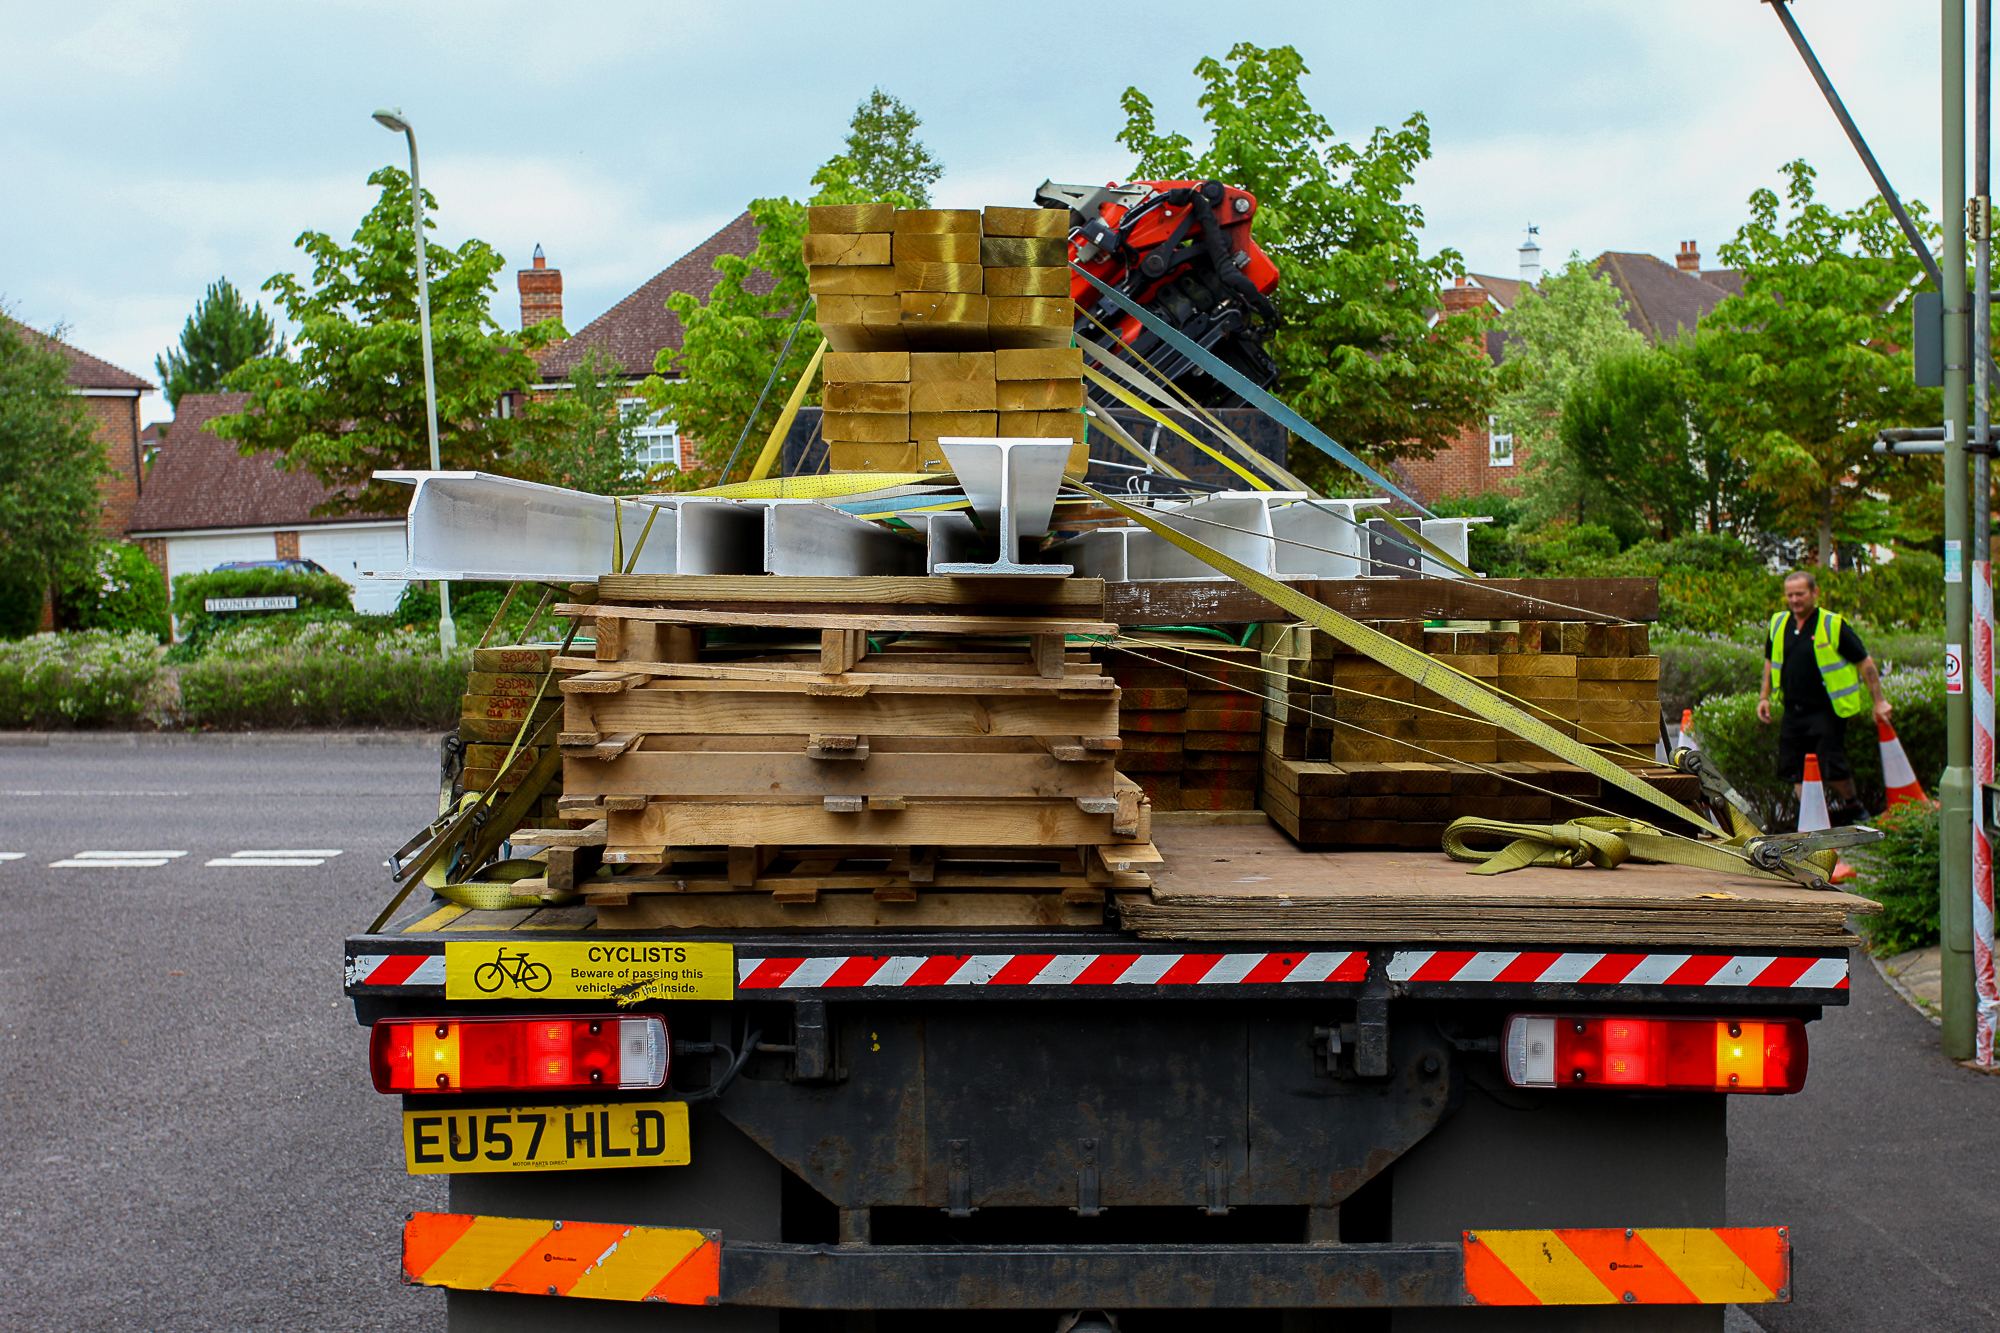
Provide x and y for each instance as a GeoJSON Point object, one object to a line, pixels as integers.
{"type": "Point", "coordinates": [392, 119]}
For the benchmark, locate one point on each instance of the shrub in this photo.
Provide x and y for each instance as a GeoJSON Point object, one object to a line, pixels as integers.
{"type": "Point", "coordinates": [20, 605]}
{"type": "Point", "coordinates": [473, 606]}
{"type": "Point", "coordinates": [1746, 750]}
{"type": "Point", "coordinates": [1695, 667]}
{"type": "Point", "coordinates": [123, 592]}
{"type": "Point", "coordinates": [326, 592]}
{"type": "Point", "coordinates": [89, 678]}
{"type": "Point", "coordinates": [1901, 873]}
{"type": "Point", "coordinates": [323, 674]}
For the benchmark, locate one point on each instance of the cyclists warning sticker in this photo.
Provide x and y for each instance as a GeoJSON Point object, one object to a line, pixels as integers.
{"type": "Point", "coordinates": [569, 970]}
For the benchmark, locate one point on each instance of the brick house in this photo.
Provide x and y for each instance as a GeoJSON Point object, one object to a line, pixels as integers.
{"type": "Point", "coordinates": [111, 397]}
{"type": "Point", "coordinates": [633, 332]}
{"type": "Point", "coordinates": [205, 503]}
{"type": "Point", "coordinates": [1661, 301]}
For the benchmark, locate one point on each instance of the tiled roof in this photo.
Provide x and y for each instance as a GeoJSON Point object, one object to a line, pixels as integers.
{"type": "Point", "coordinates": [200, 481]}
{"type": "Point", "coordinates": [632, 332]}
{"type": "Point", "coordinates": [84, 370]}
{"type": "Point", "coordinates": [1506, 291]}
{"type": "Point", "coordinates": [1661, 301]}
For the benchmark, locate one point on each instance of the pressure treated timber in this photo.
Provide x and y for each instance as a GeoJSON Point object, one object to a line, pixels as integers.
{"type": "Point", "coordinates": [1224, 602]}
{"type": "Point", "coordinates": [887, 623]}
{"type": "Point", "coordinates": [753, 712]}
{"type": "Point", "coordinates": [751, 773]}
{"type": "Point", "coordinates": [872, 675]}
{"type": "Point", "coordinates": [994, 822]}
{"type": "Point", "coordinates": [886, 589]}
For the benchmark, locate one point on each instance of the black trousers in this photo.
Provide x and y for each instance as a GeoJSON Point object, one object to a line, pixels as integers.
{"type": "Point", "coordinates": [1819, 733]}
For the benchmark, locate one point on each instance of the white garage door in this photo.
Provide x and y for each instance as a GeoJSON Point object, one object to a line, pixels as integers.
{"type": "Point", "coordinates": [198, 555]}
{"type": "Point", "coordinates": [352, 552]}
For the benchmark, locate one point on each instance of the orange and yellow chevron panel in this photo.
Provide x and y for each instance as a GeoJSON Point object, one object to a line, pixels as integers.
{"type": "Point", "coordinates": [1629, 1266]}
{"type": "Point", "coordinates": [601, 1260]}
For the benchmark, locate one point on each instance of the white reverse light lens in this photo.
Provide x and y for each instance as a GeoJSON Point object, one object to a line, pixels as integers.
{"type": "Point", "coordinates": [642, 1053]}
{"type": "Point", "coordinates": [1531, 1052]}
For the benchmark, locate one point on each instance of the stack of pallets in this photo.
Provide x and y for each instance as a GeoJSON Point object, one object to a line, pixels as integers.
{"type": "Point", "coordinates": [745, 746]}
{"type": "Point", "coordinates": [942, 322]}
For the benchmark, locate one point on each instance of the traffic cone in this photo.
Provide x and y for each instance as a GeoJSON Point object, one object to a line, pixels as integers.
{"type": "Point", "coordinates": [1898, 778]}
{"type": "Point", "coordinates": [1813, 815]}
{"type": "Point", "coordinates": [1687, 729]}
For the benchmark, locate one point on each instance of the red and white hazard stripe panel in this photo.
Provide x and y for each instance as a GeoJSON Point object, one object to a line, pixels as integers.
{"type": "Point", "coordinates": [846, 971]}
{"type": "Point", "coordinates": [396, 969]}
{"type": "Point", "coordinates": [1516, 967]}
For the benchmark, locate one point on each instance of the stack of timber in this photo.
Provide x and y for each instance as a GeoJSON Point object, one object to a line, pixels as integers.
{"type": "Point", "coordinates": [942, 322]}
{"type": "Point", "coordinates": [1190, 720]}
{"type": "Point", "coordinates": [1247, 883]}
{"type": "Point", "coordinates": [501, 705]}
{"type": "Point", "coordinates": [1356, 755]}
{"type": "Point", "coordinates": [873, 750]}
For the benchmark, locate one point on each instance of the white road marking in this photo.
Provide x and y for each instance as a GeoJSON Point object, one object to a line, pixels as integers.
{"type": "Point", "coordinates": [93, 791]}
{"type": "Point", "coordinates": [133, 860]}
{"type": "Point", "coordinates": [85, 856]}
{"type": "Point", "coordinates": [11, 856]}
{"type": "Point", "coordinates": [278, 858]}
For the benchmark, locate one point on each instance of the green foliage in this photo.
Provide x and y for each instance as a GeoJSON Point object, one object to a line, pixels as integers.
{"type": "Point", "coordinates": [223, 333]}
{"type": "Point", "coordinates": [731, 339]}
{"type": "Point", "coordinates": [1901, 873]}
{"type": "Point", "coordinates": [473, 606]}
{"type": "Point", "coordinates": [327, 592]}
{"type": "Point", "coordinates": [1812, 359]}
{"type": "Point", "coordinates": [589, 447]}
{"type": "Point", "coordinates": [1356, 352]}
{"type": "Point", "coordinates": [1697, 666]}
{"type": "Point", "coordinates": [1557, 334]}
{"type": "Point", "coordinates": [884, 156]}
{"type": "Point", "coordinates": [1747, 750]}
{"type": "Point", "coordinates": [50, 461]}
{"type": "Point", "coordinates": [327, 674]}
{"type": "Point", "coordinates": [123, 592]}
{"type": "Point", "coordinates": [91, 678]}
{"type": "Point", "coordinates": [350, 399]}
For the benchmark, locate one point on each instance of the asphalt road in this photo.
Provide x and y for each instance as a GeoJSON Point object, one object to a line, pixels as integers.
{"type": "Point", "coordinates": [190, 1141]}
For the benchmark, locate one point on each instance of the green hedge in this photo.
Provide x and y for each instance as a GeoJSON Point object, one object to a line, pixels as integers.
{"type": "Point", "coordinates": [1746, 750]}
{"type": "Point", "coordinates": [123, 592]}
{"type": "Point", "coordinates": [91, 678]}
{"type": "Point", "coordinates": [1695, 667]}
{"type": "Point", "coordinates": [1901, 873]}
{"type": "Point", "coordinates": [316, 592]}
{"type": "Point", "coordinates": [324, 674]}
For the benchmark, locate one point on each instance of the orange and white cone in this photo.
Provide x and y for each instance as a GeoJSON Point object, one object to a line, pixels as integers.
{"type": "Point", "coordinates": [1687, 729]}
{"type": "Point", "coordinates": [1898, 778]}
{"type": "Point", "coordinates": [1813, 814]}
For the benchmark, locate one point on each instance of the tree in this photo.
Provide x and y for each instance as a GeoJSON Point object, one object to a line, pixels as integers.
{"type": "Point", "coordinates": [731, 339]}
{"type": "Point", "coordinates": [350, 397]}
{"type": "Point", "coordinates": [591, 444]}
{"type": "Point", "coordinates": [884, 154]}
{"type": "Point", "coordinates": [1810, 361]}
{"type": "Point", "coordinates": [1355, 347]}
{"type": "Point", "coordinates": [50, 461]}
{"type": "Point", "coordinates": [1634, 425]}
{"type": "Point", "coordinates": [223, 332]}
{"type": "Point", "coordinates": [1556, 333]}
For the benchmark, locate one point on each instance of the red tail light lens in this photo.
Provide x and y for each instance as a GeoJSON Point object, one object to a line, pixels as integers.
{"type": "Point", "coordinates": [1668, 1054]}
{"type": "Point", "coordinates": [518, 1054]}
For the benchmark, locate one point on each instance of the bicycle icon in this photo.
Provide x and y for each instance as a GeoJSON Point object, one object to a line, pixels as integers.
{"type": "Point", "coordinates": [523, 973]}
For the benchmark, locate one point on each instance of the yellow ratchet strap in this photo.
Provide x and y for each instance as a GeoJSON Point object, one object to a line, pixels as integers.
{"type": "Point", "coordinates": [779, 431]}
{"type": "Point", "coordinates": [1133, 401]}
{"type": "Point", "coordinates": [1418, 665]}
{"type": "Point", "coordinates": [1107, 423]}
{"type": "Point", "coordinates": [1604, 842]}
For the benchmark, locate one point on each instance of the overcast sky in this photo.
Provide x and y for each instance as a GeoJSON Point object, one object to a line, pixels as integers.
{"type": "Point", "coordinates": [152, 146]}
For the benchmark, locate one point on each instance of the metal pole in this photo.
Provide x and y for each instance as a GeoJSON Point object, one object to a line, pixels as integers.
{"type": "Point", "coordinates": [1981, 665]}
{"type": "Point", "coordinates": [1955, 792]}
{"type": "Point", "coordinates": [447, 631]}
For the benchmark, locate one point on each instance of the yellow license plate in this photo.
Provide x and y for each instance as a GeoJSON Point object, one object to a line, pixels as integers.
{"type": "Point", "coordinates": [545, 1138]}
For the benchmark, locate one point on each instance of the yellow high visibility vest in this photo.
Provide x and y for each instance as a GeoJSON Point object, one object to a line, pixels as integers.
{"type": "Point", "coordinates": [1842, 677]}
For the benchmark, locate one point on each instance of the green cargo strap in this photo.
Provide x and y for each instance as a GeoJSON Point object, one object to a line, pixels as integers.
{"type": "Point", "coordinates": [1418, 665]}
{"type": "Point", "coordinates": [1842, 677]}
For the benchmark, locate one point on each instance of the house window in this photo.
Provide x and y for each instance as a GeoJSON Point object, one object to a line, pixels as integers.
{"type": "Point", "coordinates": [1499, 444]}
{"type": "Point", "coordinates": [656, 442]}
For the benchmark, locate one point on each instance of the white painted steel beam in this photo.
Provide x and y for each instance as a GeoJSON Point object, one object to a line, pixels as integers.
{"type": "Point", "coordinates": [1011, 485]}
{"type": "Point", "coordinates": [475, 525]}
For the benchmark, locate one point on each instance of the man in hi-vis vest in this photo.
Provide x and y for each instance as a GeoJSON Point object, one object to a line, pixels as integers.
{"type": "Point", "coordinates": [1819, 667]}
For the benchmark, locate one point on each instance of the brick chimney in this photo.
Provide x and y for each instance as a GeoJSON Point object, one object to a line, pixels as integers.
{"type": "Point", "coordinates": [1462, 296]}
{"type": "Point", "coordinates": [1689, 259]}
{"type": "Point", "coordinates": [541, 291]}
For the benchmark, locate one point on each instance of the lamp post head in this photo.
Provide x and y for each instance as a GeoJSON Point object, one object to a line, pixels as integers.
{"type": "Point", "coordinates": [391, 118]}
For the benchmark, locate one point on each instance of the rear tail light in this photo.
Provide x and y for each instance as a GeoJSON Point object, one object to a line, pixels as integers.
{"type": "Point", "coordinates": [1677, 1054]}
{"type": "Point", "coordinates": [518, 1054]}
